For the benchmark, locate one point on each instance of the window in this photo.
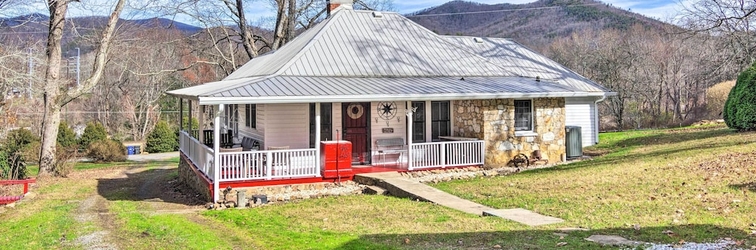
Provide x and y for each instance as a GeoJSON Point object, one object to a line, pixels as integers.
{"type": "Point", "coordinates": [250, 115]}
{"type": "Point", "coordinates": [326, 123]}
{"type": "Point", "coordinates": [523, 115]}
{"type": "Point", "coordinates": [440, 120]}
{"type": "Point", "coordinates": [418, 122]}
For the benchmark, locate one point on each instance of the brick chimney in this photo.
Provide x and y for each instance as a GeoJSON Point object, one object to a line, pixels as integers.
{"type": "Point", "coordinates": [332, 5]}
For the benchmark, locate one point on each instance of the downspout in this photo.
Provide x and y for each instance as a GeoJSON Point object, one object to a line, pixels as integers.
{"type": "Point", "coordinates": [596, 116]}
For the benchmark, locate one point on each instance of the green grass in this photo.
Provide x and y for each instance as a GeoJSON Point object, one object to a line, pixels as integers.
{"type": "Point", "coordinates": [163, 231]}
{"type": "Point", "coordinates": [33, 170]}
{"type": "Point", "coordinates": [46, 229]}
{"type": "Point", "coordinates": [693, 181]}
{"type": "Point", "coordinates": [696, 182]}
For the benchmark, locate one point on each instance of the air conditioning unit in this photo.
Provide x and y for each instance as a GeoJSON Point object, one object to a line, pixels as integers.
{"type": "Point", "coordinates": [574, 142]}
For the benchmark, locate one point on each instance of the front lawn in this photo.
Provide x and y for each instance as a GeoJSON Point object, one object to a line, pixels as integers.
{"type": "Point", "coordinates": [663, 186]}
{"type": "Point", "coordinates": [697, 183]}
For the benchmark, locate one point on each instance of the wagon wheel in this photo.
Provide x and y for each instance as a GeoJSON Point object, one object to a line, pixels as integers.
{"type": "Point", "coordinates": [521, 160]}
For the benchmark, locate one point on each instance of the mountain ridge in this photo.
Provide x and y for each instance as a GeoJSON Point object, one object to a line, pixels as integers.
{"type": "Point", "coordinates": [534, 24]}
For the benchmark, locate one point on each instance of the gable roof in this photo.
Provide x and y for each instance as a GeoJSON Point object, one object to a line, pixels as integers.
{"type": "Point", "coordinates": [368, 54]}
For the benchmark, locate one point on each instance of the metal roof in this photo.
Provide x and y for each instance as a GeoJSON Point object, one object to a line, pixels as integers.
{"type": "Point", "coordinates": [298, 89]}
{"type": "Point", "coordinates": [355, 54]}
{"type": "Point", "coordinates": [522, 61]}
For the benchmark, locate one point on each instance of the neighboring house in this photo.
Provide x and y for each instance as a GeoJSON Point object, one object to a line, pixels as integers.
{"type": "Point", "coordinates": [393, 89]}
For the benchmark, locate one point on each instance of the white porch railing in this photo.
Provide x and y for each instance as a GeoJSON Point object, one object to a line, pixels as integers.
{"type": "Point", "coordinates": [198, 153]}
{"type": "Point", "coordinates": [447, 154]}
{"type": "Point", "coordinates": [250, 165]}
{"type": "Point", "coordinates": [267, 165]}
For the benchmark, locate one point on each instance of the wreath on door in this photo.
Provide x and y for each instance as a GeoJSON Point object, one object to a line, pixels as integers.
{"type": "Point", "coordinates": [355, 110]}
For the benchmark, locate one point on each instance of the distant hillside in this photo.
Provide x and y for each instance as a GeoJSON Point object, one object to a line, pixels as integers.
{"type": "Point", "coordinates": [537, 24]}
{"type": "Point", "coordinates": [39, 21]}
{"type": "Point", "coordinates": [33, 27]}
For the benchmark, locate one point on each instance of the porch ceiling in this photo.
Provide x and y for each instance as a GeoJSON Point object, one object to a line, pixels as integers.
{"type": "Point", "coordinates": [305, 89]}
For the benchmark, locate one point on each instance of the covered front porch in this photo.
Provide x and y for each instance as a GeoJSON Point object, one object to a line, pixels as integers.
{"type": "Point", "coordinates": [222, 164]}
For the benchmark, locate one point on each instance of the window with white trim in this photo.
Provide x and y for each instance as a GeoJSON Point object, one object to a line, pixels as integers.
{"type": "Point", "coordinates": [250, 115]}
{"type": "Point", "coordinates": [523, 115]}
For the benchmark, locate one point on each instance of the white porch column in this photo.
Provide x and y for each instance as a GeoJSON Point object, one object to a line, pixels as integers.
{"type": "Point", "coordinates": [317, 138]}
{"type": "Point", "coordinates": [191, 131]}
{"type": "Point", "coordinates": [409, 111]}
{"type": "Point", "coordinates": [201, 117]}
{"type": "Point", "coordinates": [216, 152]}
{"type": "Point", "coordinates": [181, 115]}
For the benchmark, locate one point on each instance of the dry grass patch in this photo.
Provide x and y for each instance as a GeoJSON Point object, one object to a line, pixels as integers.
{"type": "Point", "coordinates": [694, 182]}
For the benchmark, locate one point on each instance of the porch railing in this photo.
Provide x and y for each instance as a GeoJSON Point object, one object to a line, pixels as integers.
{"type": "Point", "coordinates": [447, 154]}
{"type": "Point", "coordinates": [250, 165]}
{"type": "Point", "coordinates": [267, 165]}
{"type": "Point", "coordinates": [201, 155]}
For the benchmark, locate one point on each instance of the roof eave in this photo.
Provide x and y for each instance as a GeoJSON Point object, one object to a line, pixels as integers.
{"type": "Point", "coordinates": [362, 98]}
{"type": "Point", "coordinates": [183, 96]}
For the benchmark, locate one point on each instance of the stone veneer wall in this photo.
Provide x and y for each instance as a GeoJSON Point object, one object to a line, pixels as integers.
{"type": "Point", "coordinates": [190, 176]}
{"type": "Point", "coordinates": [493, 121]}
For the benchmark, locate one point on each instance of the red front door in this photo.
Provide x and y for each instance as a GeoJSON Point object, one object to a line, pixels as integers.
{"type": "Point", "coordinates": [357, 129]}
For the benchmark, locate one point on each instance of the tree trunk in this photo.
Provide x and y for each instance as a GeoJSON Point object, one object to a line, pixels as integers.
{"type": "Point", "coordinates": [51, 115]}
{"type": "Point", "coordinates": [248, 41]}
{"type": "Point", "coordinates": [54, 100]}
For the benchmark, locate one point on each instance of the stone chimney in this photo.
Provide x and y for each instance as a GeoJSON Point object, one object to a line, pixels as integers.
{"type": "Point", "coordinates": [332, 5]}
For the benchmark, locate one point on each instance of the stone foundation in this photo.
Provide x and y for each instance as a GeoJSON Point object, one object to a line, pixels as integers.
{"type": "Point", "coordinates": [283, 193]}
{"type": "Point", "coordinates": [493, 122]}
{"type": "Point", "coordinates": [191, 177]}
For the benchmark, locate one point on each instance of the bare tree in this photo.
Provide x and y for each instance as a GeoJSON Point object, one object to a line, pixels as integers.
{"type": "Point", "coordinates": [54, 96]}
{"type": "Point", "coordinates": [6, 3]}
{"type": "Point", "coordinates": [292, 16]}
{"type": "Point", "coordinates": [731, 23]}
{"type": "Point", "coordinates": [660, 77]}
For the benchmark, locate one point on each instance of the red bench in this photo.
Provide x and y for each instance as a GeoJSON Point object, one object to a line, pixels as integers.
{"type": "Point", "coordinates": [10, 199]}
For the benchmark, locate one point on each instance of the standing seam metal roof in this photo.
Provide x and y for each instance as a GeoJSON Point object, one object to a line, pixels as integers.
{"type": "Point", "coordinates": [353, 53]}
{"type": "Point", "coordinates": [517, 58]}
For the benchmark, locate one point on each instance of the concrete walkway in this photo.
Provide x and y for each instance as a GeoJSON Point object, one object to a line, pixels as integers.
{"type": "Point", "coordinates": [399, 186]}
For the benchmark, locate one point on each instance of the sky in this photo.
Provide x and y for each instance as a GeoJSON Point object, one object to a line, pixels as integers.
{"type": "Point", "coordinates": [659, 9]}
{"type": "Point", "coordinates": [664, 10]}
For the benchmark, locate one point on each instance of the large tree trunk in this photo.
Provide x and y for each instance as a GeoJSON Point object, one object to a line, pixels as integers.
{"type": "Point", "coordinates": [51, 116]}
{"type": "Point", "coordinates": [54, 100]}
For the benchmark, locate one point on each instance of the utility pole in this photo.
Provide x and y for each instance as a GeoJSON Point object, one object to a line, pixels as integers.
{"type": "Point", "coordinates": [78, 63]}
{"type": "Point", "coordinates": [31, 72]}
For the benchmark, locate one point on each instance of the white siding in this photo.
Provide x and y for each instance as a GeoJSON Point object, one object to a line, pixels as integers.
{"type": "Point", "coordinates": [398, 123]}
{"type": "Point", "coordinates": [582, 112]}
{"type": "Point", "coordinates": [287, 125]}
{"type": "Point", "coordinates": [338, 132]}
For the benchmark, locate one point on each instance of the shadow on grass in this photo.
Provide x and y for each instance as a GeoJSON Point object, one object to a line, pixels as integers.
{"type": "Point", "coordinates": [548, 239]}
{"type": "Point", "coordinates": [140, 184]}
{"type": "Point", "coordinates": [609, 160]}
{"type": "Point", "coordinates": [751, 186]}
{"type": "Point", "coordinates": [673, 136]}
